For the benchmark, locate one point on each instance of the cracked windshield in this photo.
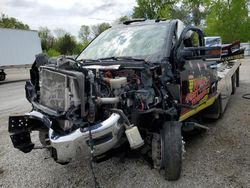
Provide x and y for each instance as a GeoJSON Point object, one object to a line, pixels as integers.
{"type": "Point", "coordinates": [141, 42]}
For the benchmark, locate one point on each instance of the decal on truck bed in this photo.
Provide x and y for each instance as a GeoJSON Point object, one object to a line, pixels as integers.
{"type": "Point", "coordinates": [197, 84]}
{"type": "Point", "coordinates": [198, 91]}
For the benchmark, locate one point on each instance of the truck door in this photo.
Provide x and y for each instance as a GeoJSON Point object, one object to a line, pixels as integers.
{"type": "Point", "coordinates": [196, 83]}
{"type": "Point", "coordinates": [198, 78]}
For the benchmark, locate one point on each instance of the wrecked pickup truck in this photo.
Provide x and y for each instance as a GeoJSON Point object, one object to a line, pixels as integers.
{"type": "Point", "coordinates": [142, 82]}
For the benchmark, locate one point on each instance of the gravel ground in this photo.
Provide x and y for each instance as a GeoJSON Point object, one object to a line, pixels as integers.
{"type": "Point", "coordinates": [218, 158]}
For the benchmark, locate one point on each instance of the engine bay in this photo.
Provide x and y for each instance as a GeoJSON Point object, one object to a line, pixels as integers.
{"type": "Point", "coordinates": [90, 93]}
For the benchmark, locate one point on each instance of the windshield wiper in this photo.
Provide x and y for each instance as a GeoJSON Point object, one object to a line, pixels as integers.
{"type": "Point", "coordinates": [129, 58]}
{"type": "Point", "coordinates": [89, 60]}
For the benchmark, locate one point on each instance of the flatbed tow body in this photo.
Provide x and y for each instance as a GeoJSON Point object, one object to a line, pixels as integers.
{"type": "Point", "coordinates": [227, 72]}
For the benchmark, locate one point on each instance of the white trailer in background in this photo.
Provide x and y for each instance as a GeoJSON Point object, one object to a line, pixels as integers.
{"type": "Point", "coordinates": [17, 48]}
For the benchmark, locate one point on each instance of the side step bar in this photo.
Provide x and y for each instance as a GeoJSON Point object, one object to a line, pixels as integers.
{"type": "Point", "coordinates": [191, 125]}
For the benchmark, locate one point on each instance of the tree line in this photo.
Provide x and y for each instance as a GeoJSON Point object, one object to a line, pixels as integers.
{"type": "Point", "coordinates": [226, 18]}
{"type": "Point", "coordinates": [7, 22]}
{"type": "Point", "coordinates": [59, 41]}
{"type": "Point", "coordinates": [229, 19]}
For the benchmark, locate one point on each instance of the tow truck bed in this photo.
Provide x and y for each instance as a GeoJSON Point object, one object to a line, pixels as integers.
{"type": "Point", "coordinates": [228, 75]}
{"type": "Point", "coordinates": [229, 79]}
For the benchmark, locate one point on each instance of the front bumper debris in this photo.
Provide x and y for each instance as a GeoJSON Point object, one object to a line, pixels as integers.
{"type": "Point", "coordinates": [19, 128]}
{"type": "Point", "coordinates": [67, 147]}
{"type": "Point", "coordinates": [76, 144]}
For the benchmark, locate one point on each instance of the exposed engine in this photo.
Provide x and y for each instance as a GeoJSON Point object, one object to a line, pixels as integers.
{"type": "Point", "coordinates": [100, 104]}
{"type": "Point", "coordinates": [95, 93]}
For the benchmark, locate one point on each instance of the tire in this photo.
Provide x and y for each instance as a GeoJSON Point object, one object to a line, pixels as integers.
{"type": "Point", "coordinates": [172, 149]}
{"type": "Point", "coordinates": [2, 77]}
{"type": "Point", "coordinates": [44, 138]}
{"type": "Point", "coordinates": [237, 74]}
{"type": "Point", "coordinates": [233, 81]}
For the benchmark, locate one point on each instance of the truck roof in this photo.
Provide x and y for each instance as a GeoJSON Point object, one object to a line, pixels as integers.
{"type": "Point", "coordinates": [139, 22]}
{"type": "Point", "coordinates": [176, 23]}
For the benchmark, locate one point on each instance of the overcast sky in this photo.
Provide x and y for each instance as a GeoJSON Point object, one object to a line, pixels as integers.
{"type": "Point", "coordinates": [66, 14]}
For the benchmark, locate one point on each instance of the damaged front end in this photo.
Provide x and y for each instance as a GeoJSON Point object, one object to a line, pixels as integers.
{"type": "Point", "coordinates": [124, 87]}
{"type": "Point", "coordinates": [74, 109]}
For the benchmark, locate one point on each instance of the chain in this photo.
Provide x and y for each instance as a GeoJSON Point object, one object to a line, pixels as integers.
{"type": "Point", "coordinates": [91, 144]}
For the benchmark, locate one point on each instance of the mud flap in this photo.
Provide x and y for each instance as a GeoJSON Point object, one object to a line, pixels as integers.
{"type": "Point", "coordinates": [20, 128]}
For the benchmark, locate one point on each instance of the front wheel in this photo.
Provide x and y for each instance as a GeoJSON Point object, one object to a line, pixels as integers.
{"type": "Point", "coordinates": [44, 138]}
{"type": "Point", "coordinates": [171, 149]}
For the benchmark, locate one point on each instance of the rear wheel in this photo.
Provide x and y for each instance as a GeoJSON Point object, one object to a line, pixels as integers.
{"type": "Point", "coordinates": [233, 82]}
{"type": "Point", "coordinates": [2, 75]}
{"type": "Point", "coordinates": [171, 149]}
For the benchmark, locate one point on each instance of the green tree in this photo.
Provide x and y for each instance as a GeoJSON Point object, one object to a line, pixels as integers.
{"type": "Point", "coordinates": [98, 29]}
{"type": "Point", "coordinates": [11, 22]}
{"type": "Point", "coordinates": [229, 19]}
{"type": "Point", "coordinates": [122, 19]}
{"type": "Point", "coordinates": [67, 44]}
{"type": "Point", "coordinates": [47, 39]}
{"type": "Point", "coordinates": [79, 47]}
{"type": "Point", "coordinates": [53, 52]}
{"type": "Point", "coordinates": [59, 32]}
{"type": "Point", "coordinates": [197, 9]}
{"type": "Point", "coordinates": [84, 33]}
{"type": "Point", "coordinates": [151, 9]}
{"type": "Point", "coordinates": [176, 12]}
{"type": "Point", "coordinates": [189, 11]}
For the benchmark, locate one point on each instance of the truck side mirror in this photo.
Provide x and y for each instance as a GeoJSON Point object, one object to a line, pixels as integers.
{"type": "Point", "coordinates": [203, 52]}
{"type": "Point", "coordinates": [182, 53]}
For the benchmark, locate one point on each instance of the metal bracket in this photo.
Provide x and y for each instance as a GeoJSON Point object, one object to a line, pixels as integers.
{"type": "Point", "coordinates": [194, 124]}
{"type": "Point", "coordinates": [22, 141]}
{"type": "Point", "coordinates": [18, 125]}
